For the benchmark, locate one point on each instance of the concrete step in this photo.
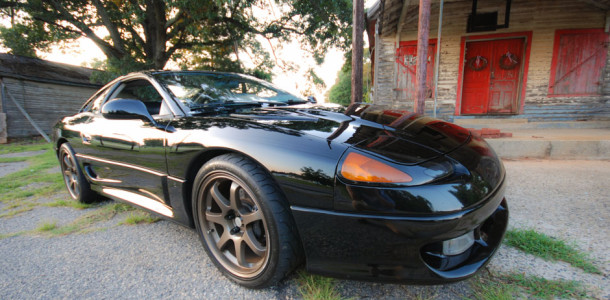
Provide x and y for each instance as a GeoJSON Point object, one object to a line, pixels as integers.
{"type": "Point", "coordinates": [589, 144]}
{"type": "Point", "coordinates": [524, 124]}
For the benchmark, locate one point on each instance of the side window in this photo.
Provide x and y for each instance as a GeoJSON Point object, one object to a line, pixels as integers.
{"type": "Point", "coordinates": [144, 91]}
{"type": "Point", "coordinates": [95, 102]}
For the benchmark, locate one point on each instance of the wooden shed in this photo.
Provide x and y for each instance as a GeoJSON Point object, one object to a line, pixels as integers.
{"type": "Point", "coordinates": [541, 60]}
{"type": "Point", "coordinates": [45, 90]}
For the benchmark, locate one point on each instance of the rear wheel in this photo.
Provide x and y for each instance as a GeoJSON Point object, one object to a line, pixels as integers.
{"type": "Point", "coordinates": [75, 181]}
{"type": "Point", "coordinates": [244, 222]}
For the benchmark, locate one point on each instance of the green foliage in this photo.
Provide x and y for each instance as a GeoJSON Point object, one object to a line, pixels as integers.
{"type": "Point", "coordinates": [341, 91]}
{"type": "Point", "coordinates": [549, 248]}
{"type": "Point", "coordinates": [198, 34]}
{"type": "Point", "coordinates": [46, 226]}
{"type": "Point", "coordinates": [139, 217]}
{"type": "Point", "coordinates": [316, 287]}
{"type": "Point", "coordinates": [517, 286]}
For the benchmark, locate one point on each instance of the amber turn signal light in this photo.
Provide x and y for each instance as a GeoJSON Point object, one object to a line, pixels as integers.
{"type": "Point", "coordinates": [357, 167]}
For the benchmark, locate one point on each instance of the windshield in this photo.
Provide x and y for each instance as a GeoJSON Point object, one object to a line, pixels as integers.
{"type": "Point", "coordinates": [199, 90]}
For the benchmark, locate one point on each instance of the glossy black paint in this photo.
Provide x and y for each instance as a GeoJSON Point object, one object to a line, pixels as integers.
{"type": "Point", "coordinates": [348, 229]}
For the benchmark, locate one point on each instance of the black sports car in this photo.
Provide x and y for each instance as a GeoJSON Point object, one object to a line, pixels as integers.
{"type": "Point", "coordinates": [358, 192]}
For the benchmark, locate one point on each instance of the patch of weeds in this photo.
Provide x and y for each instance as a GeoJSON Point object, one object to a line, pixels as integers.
{"type": "Point", "coordinates": [9, 235]}
{"type": "Point", "coordinates": [24, 147]}
{"type": "Point", "coordinates": [34, 181]}
{"type": "Point", "coordinates": [516, 286]}
{"type": "Point", "coordinates": [549, 248]}
{"type": "Point", "coordinates": [12, 159]}
{"type": "Point", "coordinates": [47, 226]}
{"type": "Point", "coordinates": [315, 287]}
{"type": "Point", "coordinates": [547, 289]}
{"type": "Point", "coordinates": [69, 203]}
{"type": "Point", "coordinates": [139, 217]}
{"type": "Point", "coordinates": [84, 223]}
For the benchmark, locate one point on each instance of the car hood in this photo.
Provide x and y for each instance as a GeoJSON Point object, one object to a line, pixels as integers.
{"type": "Point", "coordinates": [401, 136]}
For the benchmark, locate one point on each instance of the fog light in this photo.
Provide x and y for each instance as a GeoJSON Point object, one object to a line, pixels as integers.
{"type": "Point", "coordinates": [459, 244]}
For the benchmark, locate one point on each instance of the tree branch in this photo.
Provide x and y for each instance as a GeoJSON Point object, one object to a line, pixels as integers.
{"type": "Point", "coordinates": [108, 49]}
{"type": "Point", "coordinates": [112, 28]}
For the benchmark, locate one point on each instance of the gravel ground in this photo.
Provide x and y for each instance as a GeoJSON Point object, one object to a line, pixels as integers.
{"type": "Point", "coordinates": [566, 199]}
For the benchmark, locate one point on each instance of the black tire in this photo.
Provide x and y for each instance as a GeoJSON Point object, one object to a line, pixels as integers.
{"type": "Point", "coordinates": [244, 222]}
{"type": "Point", "coordinates": [76, 183]}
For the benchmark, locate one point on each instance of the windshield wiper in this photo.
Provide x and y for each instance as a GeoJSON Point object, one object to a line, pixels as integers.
{"type": "Point", "coordinates": [222, 107]}
{"type": "Point", "coordinates": [291, 102]}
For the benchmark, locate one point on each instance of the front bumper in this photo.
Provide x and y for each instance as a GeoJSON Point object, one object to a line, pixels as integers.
{"type": "Point", "coordinates": [401, 248]}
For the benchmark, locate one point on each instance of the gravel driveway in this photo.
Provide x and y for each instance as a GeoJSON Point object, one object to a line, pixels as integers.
{"type": "Point", "coordinates": [566, 199]}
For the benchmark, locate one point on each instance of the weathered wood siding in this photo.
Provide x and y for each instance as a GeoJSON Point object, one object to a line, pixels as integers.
{"type": "Point", "coordinates": [45, 103]}
{"type": "Point", "coordinates": [542, 18]}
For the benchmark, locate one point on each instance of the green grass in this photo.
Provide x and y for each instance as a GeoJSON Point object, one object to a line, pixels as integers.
{"type": "Point", "coordinates": [315, 287]}
{"type": "Point", "coordinates": [549, 248]}
{"type": "Point", "coordinates": [46, 227]}
{"type": "Point", "coordinates": [34, 180]}
{"type": "Point", "coordinates": [84, 223]}
{"type": "Point", "coordinates": [18, 190]}
{"type": "Point", "coordinates": [24, 147]}
{"type": "Point", "coordinates": [519, 286]}
{"type": "Point", "coordinates": [138, 218]}
{"type": "Point", "coordinates": [70, 203]}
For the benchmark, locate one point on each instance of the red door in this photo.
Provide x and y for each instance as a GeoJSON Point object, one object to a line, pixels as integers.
{"type": "Point", "coordinates": [406, 58]}
{"type": "Point", "coordinates": [491, 76]}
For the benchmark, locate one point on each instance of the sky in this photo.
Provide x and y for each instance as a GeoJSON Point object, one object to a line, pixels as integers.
{"type": "Point", "coordinates": [83, 52]}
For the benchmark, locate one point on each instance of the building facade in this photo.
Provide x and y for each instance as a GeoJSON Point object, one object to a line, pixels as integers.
{"type": "Point", "coordinates": [541, 60]}
{"type": "Point", "coordinates": [45, 90]}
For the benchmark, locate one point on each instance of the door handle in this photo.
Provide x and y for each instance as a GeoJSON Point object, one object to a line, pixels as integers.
{"type": "Point", "coordinates": [492, 75]}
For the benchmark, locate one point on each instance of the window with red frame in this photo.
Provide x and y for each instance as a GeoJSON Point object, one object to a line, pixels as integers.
{"type": "Point", "coordinates": [579, 57]}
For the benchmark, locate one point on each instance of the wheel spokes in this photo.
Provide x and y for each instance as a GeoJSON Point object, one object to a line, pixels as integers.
{"type": "Point", "coordinates": [217, 218]}
{"type": "Point", "coordinates": [224, 239]}
{"type": "Point", "coordinates": [234, 196]}
{"type": "Point", "coordinates": [240, 253]}
{"type": "Point", "coordinates": [253, 216]}
{"type": "Point", "coordinates": [219, 199]}
{"type": "Point", "coordinates": [253, 243]}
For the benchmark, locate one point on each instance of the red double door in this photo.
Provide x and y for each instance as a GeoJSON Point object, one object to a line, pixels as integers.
{"type": "Point", "coordinates": [492, 76]}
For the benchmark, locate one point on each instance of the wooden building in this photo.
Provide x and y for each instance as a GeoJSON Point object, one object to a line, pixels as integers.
{"type": "Point", "coordinates": [45, 90]}
{"type": "Point", "coordinates": [541, 60]}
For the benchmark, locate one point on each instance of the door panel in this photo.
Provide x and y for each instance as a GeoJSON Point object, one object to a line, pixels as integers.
{"type": "Point", "coordinates": [493, 89]}
{"type": "Point", "coordinates": [476, 82]}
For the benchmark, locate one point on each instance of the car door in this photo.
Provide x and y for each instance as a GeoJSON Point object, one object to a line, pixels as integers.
{"type": "Point", "coordinates": [127, 157]}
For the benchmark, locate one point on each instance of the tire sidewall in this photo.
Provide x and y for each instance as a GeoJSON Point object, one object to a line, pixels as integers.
{"type": "Point", "coordinates": [85, 194]}
{"type": "Point", "coordinates": [215, 167]}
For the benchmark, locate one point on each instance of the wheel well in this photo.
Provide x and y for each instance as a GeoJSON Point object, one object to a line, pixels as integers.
{"type": "Point", "coordinates": [193, 168]}
{"type": "Point", "coordinates": [60, 142]}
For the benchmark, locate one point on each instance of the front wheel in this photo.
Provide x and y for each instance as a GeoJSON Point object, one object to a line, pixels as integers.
{"type": "Point", "coordinates": [244, 222]}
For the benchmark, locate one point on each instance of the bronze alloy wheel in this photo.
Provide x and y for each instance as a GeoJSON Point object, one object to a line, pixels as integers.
{"type": "Point", "coordinates": [244, 221]}
{"type": "Point", "coordinates": [233, 225]}
{"type": "Point", "coordinates": [70, 173]}
{"type": "Point", "coordinates": [75, 181]}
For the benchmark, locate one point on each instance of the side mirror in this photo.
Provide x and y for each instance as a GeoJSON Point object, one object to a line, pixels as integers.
{"type": "Point", "coordinates": [126, 109]}
{"type": "Point", "coordinates": [312, 99]}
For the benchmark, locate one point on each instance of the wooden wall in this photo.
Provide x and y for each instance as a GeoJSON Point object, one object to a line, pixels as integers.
{"type": "Point", "coordinates": [541, 17]}
{"type": "Point", "coordinates": [46, 103]}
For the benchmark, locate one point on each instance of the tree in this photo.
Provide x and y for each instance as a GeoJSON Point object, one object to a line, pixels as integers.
{"type": "Point", "coordinates": [341, 91]}
{"type": "Point", "coordinates": [146, 34]}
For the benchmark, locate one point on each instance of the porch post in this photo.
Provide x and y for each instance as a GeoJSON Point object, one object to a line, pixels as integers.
{"type": "Point", "coordinates": [438, 56]}
{"type": "Point", "coordinates": [357, 45]}
{"type": "Point", "coordinates": [423, 30]}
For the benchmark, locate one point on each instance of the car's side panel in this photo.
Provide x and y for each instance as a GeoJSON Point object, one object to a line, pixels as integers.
{"type": "Point", "coordinates": [303, 165]}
